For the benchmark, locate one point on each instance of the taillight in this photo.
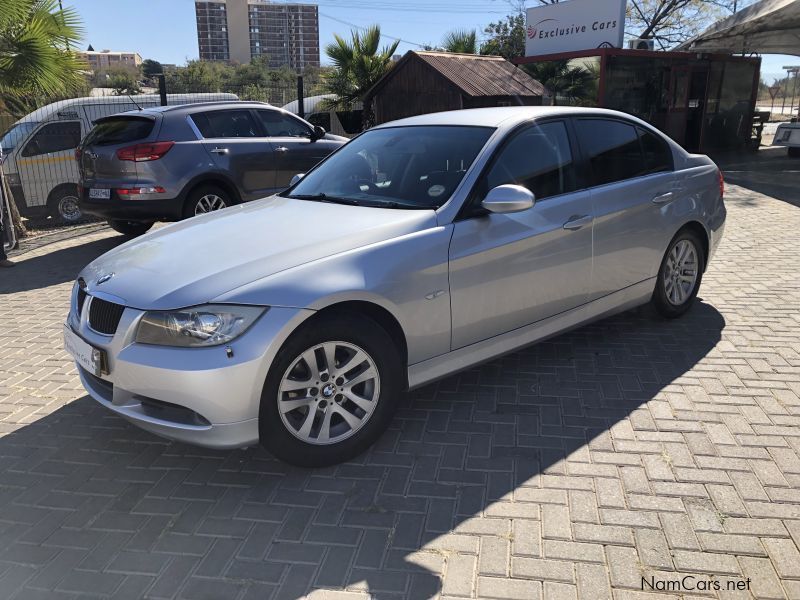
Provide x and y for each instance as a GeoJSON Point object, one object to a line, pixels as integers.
{"type": "Point", "coordinates": [139, 191]}
{"type": "Point", "coordinates": [721, 185]}
{"type": "Point", "coordinates": [78, 153]}
{"type": "Point", "coordinates": [144, 152]}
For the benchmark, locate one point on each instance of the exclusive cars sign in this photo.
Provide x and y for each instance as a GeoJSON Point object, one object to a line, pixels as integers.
{"type": "Point", "coordinates": [575, 25]}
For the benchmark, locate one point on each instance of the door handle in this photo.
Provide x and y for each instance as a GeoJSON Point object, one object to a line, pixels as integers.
{"type": "Point", "coordinates": [576, 222]}
{"type": "Point", "coordinates": [663, 198]}
{"type": "Point", "coordinates": [220, 150]}
{"type": "Point", "coordinates": [281, 149]}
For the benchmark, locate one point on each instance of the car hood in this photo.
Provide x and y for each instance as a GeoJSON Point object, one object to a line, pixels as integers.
{"type": "Point", "coordinates": [194, 261]}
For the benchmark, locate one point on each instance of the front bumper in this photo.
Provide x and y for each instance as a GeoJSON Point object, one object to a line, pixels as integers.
{"type": "Point", "coordinates": [195, 395]}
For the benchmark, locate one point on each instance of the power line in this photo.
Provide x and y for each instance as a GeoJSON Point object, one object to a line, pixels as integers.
{"type": "Point", "coordinates": [362, 28]}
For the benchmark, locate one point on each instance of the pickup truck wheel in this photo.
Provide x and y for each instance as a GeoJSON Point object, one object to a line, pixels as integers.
{"type": "Point", "coordinates": [63, 205]}
{"type": "Point", "coordinates": [129, 228]}
{"type": "Point", "coordinates": [680, 275]}
{"type": "Point", "coordinates": [331, 391]}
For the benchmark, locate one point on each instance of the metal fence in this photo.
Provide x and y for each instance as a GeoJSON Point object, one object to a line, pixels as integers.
{"type": "Point", "coordinates": [41, 137]}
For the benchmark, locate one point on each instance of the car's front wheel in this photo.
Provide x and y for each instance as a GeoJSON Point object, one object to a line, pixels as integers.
{"type": "Point", "coordinates": [680, 275]}
{"type": "Point", "coordinates": [331, 391]}
{"type": "Point", "coordinates": [129, 228]}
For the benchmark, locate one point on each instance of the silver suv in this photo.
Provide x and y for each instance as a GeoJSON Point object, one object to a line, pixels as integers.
{"type": "Point", "coordinates": [173, 162]}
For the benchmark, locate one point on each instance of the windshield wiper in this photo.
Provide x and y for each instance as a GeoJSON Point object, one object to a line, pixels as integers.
{"type": "Point", "coordinates": [325, 198]}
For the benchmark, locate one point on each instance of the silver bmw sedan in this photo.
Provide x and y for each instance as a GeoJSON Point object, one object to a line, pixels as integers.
{"type": "Point", "coordinates": [420, 248]}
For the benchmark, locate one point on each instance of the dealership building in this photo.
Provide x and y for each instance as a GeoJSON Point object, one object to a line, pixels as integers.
{"type": "Point", "coordinates": [703, 100]}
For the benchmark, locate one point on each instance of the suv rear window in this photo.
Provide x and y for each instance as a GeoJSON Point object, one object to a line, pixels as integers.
{"type": "Point", "coordinates": [119, 130]}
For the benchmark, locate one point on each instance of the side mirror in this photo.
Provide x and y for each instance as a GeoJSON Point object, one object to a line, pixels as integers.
{"type": "Point", "coordinates": [296, 179]}
{"type": "Point", "coordinates": [508, 199]}
{"type": "Point", "coordinates": [319, 133]}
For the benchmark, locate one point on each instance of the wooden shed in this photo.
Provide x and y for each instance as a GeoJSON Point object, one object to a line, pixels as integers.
{"type": "Point", "coordinates": [426, 82]}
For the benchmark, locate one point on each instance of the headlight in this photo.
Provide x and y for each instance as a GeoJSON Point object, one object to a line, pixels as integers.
{"type": "Point", "coordinates": [200, 326]}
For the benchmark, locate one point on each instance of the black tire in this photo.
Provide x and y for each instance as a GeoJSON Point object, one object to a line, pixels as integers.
{"type": "Point", "coordinates": [63, 205]}
{"type": "Point", "coordinates": [201, 194]}
{"type": "Point", "coordinates": [345, 327]}
{"type": "Point", "coordinates": [130, 228]}
{"type": "Point", "coordinates": [666, 306]}
{"type": "Point", "coordinates": [794, 152]}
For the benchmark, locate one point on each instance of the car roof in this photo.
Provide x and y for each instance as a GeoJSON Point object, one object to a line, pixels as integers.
{"type": "Point", "coordinates": [501, 116]}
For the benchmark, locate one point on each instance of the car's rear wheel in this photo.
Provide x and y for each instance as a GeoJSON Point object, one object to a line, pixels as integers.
{"type": "Point", "coordinates": [680, 275]}
{"type": "Point", "coordinates": [331, 391]}
{"type": "Point", "coordinates": [129, 228]}
{"type": "Point", "coordinates": [206, 199]}
{"type": "Point", "coordinates": [63, 205]}
{"type": "Point", "coordinates": [794, 152]}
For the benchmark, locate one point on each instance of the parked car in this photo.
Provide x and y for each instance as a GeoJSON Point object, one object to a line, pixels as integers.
{"type": "Point", "coordinates": [421, 248]}
{"type": "Point", "coordinates": [347, 123]}
{"type": "Point", "coordinates": [788, 135]}
{"type": "Point", "coordinates": [171, 163]}
{"type": "Point", "coordinates": [38, 151]}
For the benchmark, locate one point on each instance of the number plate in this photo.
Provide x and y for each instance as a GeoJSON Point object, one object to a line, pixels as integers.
{"type": "Point", "coordinates": [99, 193]}
{"type": "Point", "coordinates": [90, 358]}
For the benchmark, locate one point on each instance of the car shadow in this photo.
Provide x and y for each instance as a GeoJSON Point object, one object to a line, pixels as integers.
{"type": "Point", "coordinates": [81, 481]}
{"type": "Point", "coordinates": [54, 267]}
{"type": "Point", "coordinates": [770, 172]}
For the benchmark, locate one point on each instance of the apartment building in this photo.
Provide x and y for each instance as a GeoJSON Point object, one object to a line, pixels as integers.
{"type": "Point", "coordinates": [105, 59]}
{"type": "Point", "coordinates": [240, 30]}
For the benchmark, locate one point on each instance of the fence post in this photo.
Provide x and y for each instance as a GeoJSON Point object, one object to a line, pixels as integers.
{"type": "Point", "coordinates": [301, 108]}
{"type": "Point", "coordinates": [162, 88]}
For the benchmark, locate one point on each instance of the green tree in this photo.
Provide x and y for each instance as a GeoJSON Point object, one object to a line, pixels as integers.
{"type": "Point", "coordinates": [151, 67]}
{"type": "Point", "coordinates": [575, 83]}
{"type": "Point", "coordinates": [36, 56]}
{"type": "Point", "coordinates": [462, 41]}
{"type": "Point", "coordinates": [358, 65]}
{"type": "Point", "coordinates": [506, 38]}
{"type": "Point", "coordinates": [121, 80]}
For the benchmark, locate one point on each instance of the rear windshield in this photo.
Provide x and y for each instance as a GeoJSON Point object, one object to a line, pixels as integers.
{"type": "Point", "coordinates": [119, 130]}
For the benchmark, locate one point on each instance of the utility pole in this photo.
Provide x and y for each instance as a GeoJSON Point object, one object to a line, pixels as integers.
{"type": "Point", "coordinates": [61, 9]}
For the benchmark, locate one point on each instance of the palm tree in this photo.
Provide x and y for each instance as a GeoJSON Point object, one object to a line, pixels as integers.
{"type": "Point", "coordinates": [35, 41]}
{"type": "Point", "coordinates": [358, 65]}
{"type": "Point", "coordinates": [462, 41]}
{"type": "Point", "coordinates": [576, 83]}
{"type": "Point", "coordinates": [36, 60]}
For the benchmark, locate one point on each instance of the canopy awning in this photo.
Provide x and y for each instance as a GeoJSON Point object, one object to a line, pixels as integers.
{"type": "Point", "coordinates": [766, 27]}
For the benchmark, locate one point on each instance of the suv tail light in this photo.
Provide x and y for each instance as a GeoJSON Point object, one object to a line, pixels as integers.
{"type": "Point", "coordinates": [721, 184]}
{"type": "Point", "coordinates": [144, 152]}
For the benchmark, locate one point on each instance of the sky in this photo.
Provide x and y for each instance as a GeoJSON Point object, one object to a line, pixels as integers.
{"type": "Point", "coordinates": [165, 30]}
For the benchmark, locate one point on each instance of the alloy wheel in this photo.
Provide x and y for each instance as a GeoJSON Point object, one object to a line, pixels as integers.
{"type": "Point", "coordinates": [680, 274]}
{"type": "Point", "coordinates": [209, 203]}
{"type": "Point", "coordinates": [329, 392]}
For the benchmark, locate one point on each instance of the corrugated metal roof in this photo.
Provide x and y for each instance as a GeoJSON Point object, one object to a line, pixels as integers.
{"type": "Point", "coordinates": [482, 75]}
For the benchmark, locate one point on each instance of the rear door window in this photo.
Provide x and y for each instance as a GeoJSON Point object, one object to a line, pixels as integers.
{"type": "Point", "coordinates": [119, 130]}
{"type": "Point", "coordinates": [657, 153]}
{"type": "Point", "coordinates": [54, 137]}
{"type": "Point", "coordinates": [226, 124]}
{"type": "Point", "coordinates": [613, 150]}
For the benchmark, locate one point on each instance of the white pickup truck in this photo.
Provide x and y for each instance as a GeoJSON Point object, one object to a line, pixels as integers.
{"type": "Point", "coordinates": [788, 134]}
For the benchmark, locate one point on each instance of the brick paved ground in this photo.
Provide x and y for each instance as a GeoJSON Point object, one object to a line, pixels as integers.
{"type": "Point", "coordinates": [630, 447]}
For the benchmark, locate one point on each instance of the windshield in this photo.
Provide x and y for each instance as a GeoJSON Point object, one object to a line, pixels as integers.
{"type": "Point", "coordinates": [119, 130]}
{"type": "Point", "coordinates": [396, 167]}
{"type": "Point", "coordinates": [15, 134]}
